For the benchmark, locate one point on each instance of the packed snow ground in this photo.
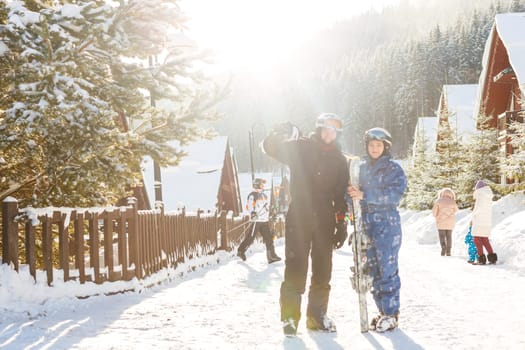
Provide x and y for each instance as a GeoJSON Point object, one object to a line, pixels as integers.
{"type": "Point", "coordinates": [229, 304]}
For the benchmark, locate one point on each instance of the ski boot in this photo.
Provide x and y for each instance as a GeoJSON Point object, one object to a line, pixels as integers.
{"type": "Point", "coordinates": [386, 323]}
{"type": "Point", "coordinates": [290, 327]}
{"type": "Point", "coordinates": [241, 255]}
{"type": "Point", "coordinates": [272, 257]}
{"type": "Point", "coordinates": [373, 323]}
{"type": "Point", "coordinates": [323, 324]}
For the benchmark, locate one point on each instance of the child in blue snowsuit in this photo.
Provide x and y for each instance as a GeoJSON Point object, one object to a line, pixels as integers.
{"type": "Point", "coordinates": [472, 250]}
{"type": "Point", "coordinates": [382, 183]}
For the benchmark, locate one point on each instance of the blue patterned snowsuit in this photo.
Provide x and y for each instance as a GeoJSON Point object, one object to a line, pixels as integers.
{"type": "Point", "coordinates": [383, 183]}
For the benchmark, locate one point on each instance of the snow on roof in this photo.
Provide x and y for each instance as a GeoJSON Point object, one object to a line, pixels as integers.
{"type": "Point", "coordinates": [194, 183]}
{"type": "Point", "coordinates": [511, 30]}
{"type": "Point", "coordinates": [461, 101]}
{"type": "Point", "coordinates": [427, 127]}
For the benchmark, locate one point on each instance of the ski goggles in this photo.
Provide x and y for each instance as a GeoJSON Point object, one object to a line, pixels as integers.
{"type": "Point", "coordinates": [330, 123]}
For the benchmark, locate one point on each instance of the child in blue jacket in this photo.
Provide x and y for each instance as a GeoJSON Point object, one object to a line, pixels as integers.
{"type": "Point", "coordinates": [382, 183]}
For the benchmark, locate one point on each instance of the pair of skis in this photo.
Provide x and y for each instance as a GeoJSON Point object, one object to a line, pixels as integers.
{"type": "Point", "coordinates": [361, 281]}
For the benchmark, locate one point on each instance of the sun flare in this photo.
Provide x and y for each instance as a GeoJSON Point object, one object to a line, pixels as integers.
{"type": "Point", "coordinates": [258, 34]}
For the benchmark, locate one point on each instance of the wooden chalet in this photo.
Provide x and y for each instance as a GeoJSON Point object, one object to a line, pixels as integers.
{"type": "Point", "coordinates": [425, 135]}
{"type": "Point", "coordinates": [455, 110]}
{"type": "Point", "coordinates": [501, 95]}
{"type": "Point", "coordinates": [206, 179]}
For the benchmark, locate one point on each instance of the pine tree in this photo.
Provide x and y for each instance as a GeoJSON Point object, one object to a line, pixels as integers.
{"type": "Point", "coordinates": [421, 190]}
{"type": "Point", "coordinates": [481, 162]}
{"type": "Point", "coordinates": [516, 6]}
{"type": "Point", "coordinates": [513, 165]}
{"type": "Point", "coordinates": [77, 116]}
{"type": "Point", "coordinates": [449, 151]}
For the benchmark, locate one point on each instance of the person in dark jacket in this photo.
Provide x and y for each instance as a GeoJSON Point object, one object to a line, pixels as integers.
{"type": "Point", "coordinates": [382, 183]}
{"type": "Point", "coordinates": [315, 219]}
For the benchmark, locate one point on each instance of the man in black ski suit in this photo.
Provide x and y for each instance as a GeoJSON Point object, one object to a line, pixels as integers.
{"type": "Point", "coordinates": [315, 219]}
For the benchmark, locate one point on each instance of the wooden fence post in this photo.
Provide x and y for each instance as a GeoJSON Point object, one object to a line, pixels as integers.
{"type": "Point", "coordinates": [10, 232]}
{"type": "Point", "coordinates": [224, 230]}
{"type": "Point", "coordinates": [133, 238]}
{"type": "Point", "coordinates": [47, 248]}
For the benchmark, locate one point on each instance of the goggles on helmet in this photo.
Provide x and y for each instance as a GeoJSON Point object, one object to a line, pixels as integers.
{"type": "Point", "coordinates": [329, 121]}
{"type": "Point", "coordinates": [379, 134]}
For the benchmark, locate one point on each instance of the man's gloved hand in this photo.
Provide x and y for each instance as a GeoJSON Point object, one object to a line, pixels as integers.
{"type": "Point", "coordinates": [253, 215]}
{"type": "Point", "coordinates": [340, 234]}
{"type": "Point", "coordinates": [287, 131]}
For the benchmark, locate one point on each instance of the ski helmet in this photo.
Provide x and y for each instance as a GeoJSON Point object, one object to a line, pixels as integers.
{"type": "Point", "coordinates": [379, 134]}
{"type": "Point", "coordinates": [258, 183]}
{"type": "Point", "coordinates": [329, 121]}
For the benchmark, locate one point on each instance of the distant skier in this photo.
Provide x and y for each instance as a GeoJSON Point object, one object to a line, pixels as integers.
{"type": "Point", "coordinates": [482, 222]}
{"type": "Point", "coordinates": [382, 182]}
{"type": "Point", "coordinates": [444, 210]}
{"type": "Point", "coordinates": [315, 219]}
{"type": "Point", "coordinates": [258, 207]}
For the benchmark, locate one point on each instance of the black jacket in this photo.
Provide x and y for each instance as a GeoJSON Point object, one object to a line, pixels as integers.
{"type": "Point", "coordinates": [318, 177]}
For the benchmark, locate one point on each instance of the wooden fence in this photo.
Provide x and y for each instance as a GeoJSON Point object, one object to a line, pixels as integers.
{"type": "Point", "coordinates": [110, 244]}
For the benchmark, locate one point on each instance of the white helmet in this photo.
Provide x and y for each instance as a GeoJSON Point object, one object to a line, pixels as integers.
{"type": "Point", "coordinates": [379, 134]}
{"type": "Point", "coordinates": [329, 121]}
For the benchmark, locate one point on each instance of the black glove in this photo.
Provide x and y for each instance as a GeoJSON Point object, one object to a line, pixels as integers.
{"type": "Point", "coordinates": [253, 215]}
{"type": "Point", "coordinates": [287, 131]}
{"type": "Point", "coordinates": [340, 234]}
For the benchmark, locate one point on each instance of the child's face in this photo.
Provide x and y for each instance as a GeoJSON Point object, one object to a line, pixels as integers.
{"type": "Point", "coordinates": [375, 148]}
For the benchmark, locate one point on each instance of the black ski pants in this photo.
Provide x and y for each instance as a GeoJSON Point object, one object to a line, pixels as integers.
{"type": "Point", "coordinates": [310, 238]}
{"type": "Point", "coordinates": [264, 229]}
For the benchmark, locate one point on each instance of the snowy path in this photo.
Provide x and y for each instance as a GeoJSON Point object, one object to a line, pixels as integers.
{"type": "Point", "coordinates": [446, 304]}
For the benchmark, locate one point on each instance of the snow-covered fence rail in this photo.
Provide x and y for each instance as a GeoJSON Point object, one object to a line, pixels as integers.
{"type": "Point", "coordinates": [112, 243]}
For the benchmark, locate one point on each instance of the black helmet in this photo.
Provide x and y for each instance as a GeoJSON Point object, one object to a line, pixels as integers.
{"type": "Point", "coordinates": [379, 134]}
{"type": "Point", "coordinates": [329, 121]}
{"type": "Point", "coordinates": [258, 183]}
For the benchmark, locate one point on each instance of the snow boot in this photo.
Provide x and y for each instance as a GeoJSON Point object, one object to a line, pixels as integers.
{"type": "Point", "coordinates": [290, 327]}
{"type": "Point", "coordinates": [241, 255]}
{"type": "Point", "coordinates": [386, 323]}
{"type": "Point", "coordinates": [272, 257]}
{"type": "Point", "coordinates": [482, 259]}
{"type": "Point", "coordinates": [323, 324]}
{"type": "Point", "coordinates": [492, 258]}
{"type": "Point", "coordinates": [373, 323]}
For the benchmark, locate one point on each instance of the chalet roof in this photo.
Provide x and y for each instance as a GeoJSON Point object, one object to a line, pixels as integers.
{"type": "Point", "coordinates": [460, 101]}
{"type": "Point", "coordinates": [427, 127]}
{"type": "Point", "coordinates": [195, 182]}
{"type": "Point", "coordinates": [511, 30]}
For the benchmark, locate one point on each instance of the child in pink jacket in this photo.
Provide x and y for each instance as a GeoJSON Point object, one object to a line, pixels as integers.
{"type": "Point", "coordinates": [444, 211]}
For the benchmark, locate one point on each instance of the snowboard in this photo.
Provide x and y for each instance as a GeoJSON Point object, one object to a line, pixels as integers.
{"type": "Point", "coordinates": [361, 281]}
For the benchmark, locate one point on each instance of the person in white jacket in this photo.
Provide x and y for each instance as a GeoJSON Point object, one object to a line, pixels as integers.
{"type": "Point", "coordinates": [258, 207]}
{"type": "Point", "coordinates": [482, 222]}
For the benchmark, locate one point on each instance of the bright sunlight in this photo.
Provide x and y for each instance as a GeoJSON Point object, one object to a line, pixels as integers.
{"type": "Point", "coordinates": [255, 35]}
